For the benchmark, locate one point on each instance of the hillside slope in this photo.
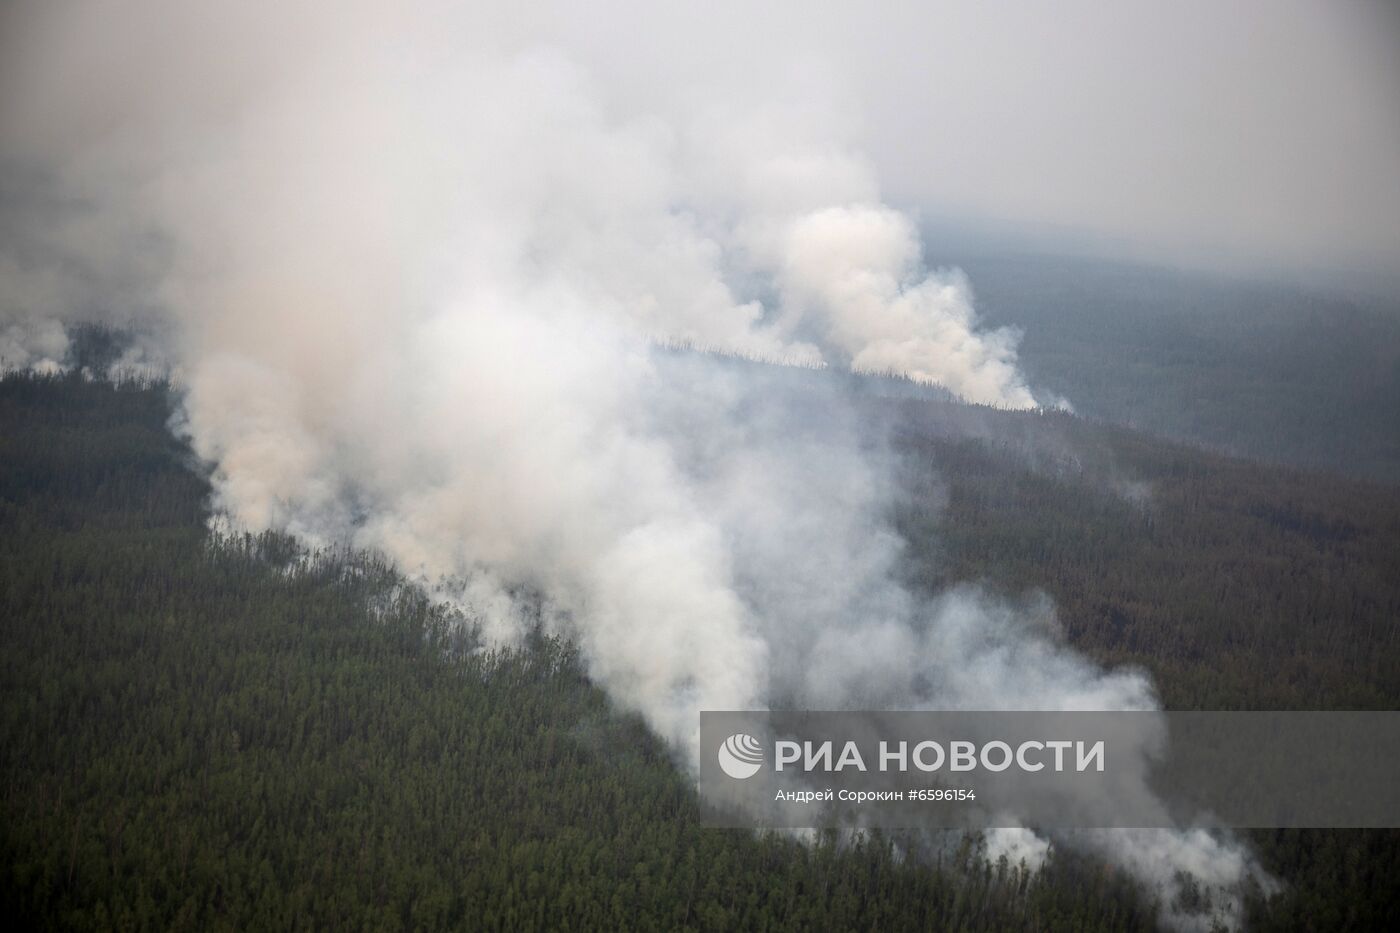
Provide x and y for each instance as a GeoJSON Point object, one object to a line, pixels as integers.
{"type": "Point", "coordinates": [1296, 375]}
{"type": "Point", "coordinates": [203, 733]}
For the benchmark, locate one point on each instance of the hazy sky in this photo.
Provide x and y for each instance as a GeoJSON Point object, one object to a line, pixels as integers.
{"type": "Point", "coordinates": [1253, 131]}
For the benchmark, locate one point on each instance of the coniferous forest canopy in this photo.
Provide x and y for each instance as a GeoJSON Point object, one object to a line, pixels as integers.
{"type": "Point", "coordinates": [422, 424]}
{"type": "Point", "coordinates": [226, 732]}
{"type": "Point", "coordinates": [1304, 375]}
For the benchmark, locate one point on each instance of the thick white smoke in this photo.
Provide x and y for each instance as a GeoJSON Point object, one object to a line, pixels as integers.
{"type": "Point", "coordinates": [416, 281]}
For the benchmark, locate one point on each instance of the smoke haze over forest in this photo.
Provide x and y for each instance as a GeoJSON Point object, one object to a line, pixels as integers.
{"type": "Point", "coordinates": [414, 271]}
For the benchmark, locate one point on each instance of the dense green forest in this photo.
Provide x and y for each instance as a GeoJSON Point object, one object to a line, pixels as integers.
{"type": "Point", "coordinates": [203, 732]}
{"type": "Point", "coordinates": [1301, 375]}
{"type": "Point", "coordinates": [1238, 585]}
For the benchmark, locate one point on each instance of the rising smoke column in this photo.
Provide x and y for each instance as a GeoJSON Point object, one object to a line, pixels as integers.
{"type": "Point", "coordinates": [414, 281]}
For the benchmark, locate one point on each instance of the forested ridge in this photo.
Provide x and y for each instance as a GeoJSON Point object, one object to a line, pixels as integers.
{"type": "Point", "coordinates": [1238, 585]}
{"type": "Point", "coordinates": [203, 732]}
{"type": "Point", "coordinates": [1299, 374]}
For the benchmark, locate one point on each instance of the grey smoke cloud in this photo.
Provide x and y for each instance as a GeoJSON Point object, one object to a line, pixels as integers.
{"type": "Point", "coordinates": [1259, 134]}
{"type": "Point", "coordinates": [413, 265]}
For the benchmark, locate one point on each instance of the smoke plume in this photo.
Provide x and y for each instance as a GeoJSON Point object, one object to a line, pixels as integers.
{"type": "Point", "coordinates": [417, 285]}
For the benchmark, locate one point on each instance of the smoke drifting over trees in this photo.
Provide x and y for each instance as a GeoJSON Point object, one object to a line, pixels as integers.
{"type": "Point", "coordinates": [412, 271]}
